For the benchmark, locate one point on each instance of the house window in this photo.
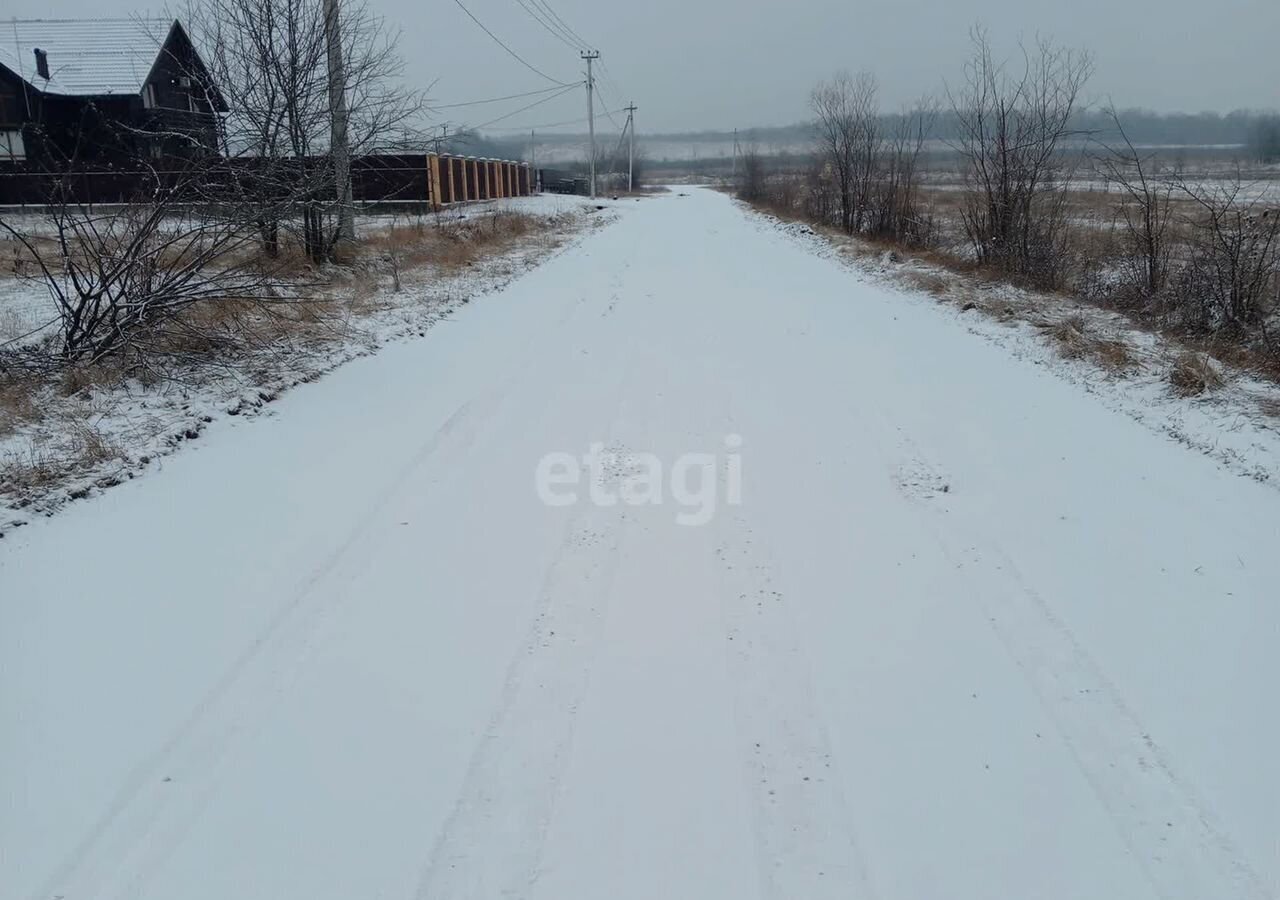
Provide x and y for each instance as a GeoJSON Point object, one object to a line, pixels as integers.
{"type": "Point", "coordinates": [11, 147]}
{"type": "Point", "coordinates": [149, 96]}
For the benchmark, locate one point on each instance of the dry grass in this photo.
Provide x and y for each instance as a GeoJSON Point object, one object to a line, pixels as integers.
{"type": "Point", "coordinates": [89, 377]}
{"type": "Point", "coordinates": [42, 466]}
{"type": "Point", "coordinates": [929, 282]}
{"type": "Point", "coordinates": [1114, 355]}
{"type": "Point", "coordinates": [454, 244]}
{"type": "Point", "coordinates": [16, 260]}
{"type": "Point", "coordinates": [1194, 374]}
{"type": "Point", "coordinates": [1075, 339]}
{"type": "Point", "coordinates": [1069, 336]}
{"type": "Point", "coordinates": [18, 404]}
{"type": "Point", "coordinates": [1269, 406]}
{"type": "Point", "coordinates": [1001, 308]}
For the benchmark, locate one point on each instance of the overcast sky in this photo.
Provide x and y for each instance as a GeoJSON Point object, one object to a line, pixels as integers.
{"type": "Point", "coordinates": [720, 64]}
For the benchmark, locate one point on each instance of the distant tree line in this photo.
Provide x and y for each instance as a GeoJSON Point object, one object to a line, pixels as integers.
{"type": "Point", "coordinates": [1050, 194]}
{"type": "Point", "coordinates": [1144, 127]}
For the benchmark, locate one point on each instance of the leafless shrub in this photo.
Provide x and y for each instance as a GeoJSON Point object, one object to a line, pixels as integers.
{"type": "Point", "coordinates": [895, 211]}
{"type": "Point", "coordinates": [1145, 211]}
{"type": "Point", "coordinates": [1012, 130]}
{"type": "Point", "coordinates": [118, 277]}
{"type": "Point", "coordinates": [1229, 285]}
{"type": "Point", "coordinates": [848, 141]}
{"type": "Point", "coordinates": [751, 178]}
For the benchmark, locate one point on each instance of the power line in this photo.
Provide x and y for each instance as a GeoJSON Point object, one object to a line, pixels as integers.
{"type": "Point", "coordinates": [609, 100]}
{"type": "Point", "coordinates": [516, 56]}
{"type": "Point", "coordinates": [609, 79]}
{"type": "Point", "coordinates": [542, 19]}
{"type": "Point", "coordinates": [499, 99]}
{"type": "Point", "coordinates": [610, 117]}
{"type": "Point", "coordinates": [558, 93]}
{"type": "Point", "coordinates": [552, 124]}
{"type": "Point", "coordinates": [563, 24]}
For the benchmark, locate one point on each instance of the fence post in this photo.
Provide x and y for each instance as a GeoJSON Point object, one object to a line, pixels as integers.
{"type": "Point", "coordinates": [433, 180]}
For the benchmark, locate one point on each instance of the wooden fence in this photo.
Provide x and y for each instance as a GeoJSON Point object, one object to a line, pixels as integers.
{"type": "Point", "coordinates": [433, 180]}
{"type": "Point", "coordinates": [461, 179]}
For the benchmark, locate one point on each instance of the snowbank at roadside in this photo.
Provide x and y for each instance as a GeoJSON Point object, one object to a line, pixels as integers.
{"type": "Point", "coordinates": [1237, 424]}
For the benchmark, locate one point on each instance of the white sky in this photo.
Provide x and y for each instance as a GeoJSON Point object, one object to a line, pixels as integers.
{"type": "Point", "coordinates": [694, 64]}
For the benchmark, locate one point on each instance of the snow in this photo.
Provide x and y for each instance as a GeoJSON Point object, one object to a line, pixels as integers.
{"type": "Point", "coordinates": [138, 425]}
{"type": "Point", "coordinates": [1237, 424]}
{"type": "Point", "coordinates": [971, 633]}
{"type": "Point", "coordinates": [86, 56]}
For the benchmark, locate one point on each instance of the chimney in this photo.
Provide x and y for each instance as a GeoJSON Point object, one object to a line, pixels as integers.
{"type": "Point", "coordinates": [42, 63]}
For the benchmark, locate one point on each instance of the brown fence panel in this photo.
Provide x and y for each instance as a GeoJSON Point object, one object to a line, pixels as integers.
{"type": "Point", "coordinates": [399, 178]}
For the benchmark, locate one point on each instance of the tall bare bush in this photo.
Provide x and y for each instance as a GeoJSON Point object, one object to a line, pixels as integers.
{"type": "Point", "coordinates": [894, 211]}
{"type": "Point", "coordinates": [1231, 280]}
{"type": "Point", "coordinates": [121, 277]}
{"type": "Point", "coordinates": [751, 175]}
{"type": "Point", "coordinates": [1144, 209]}
{"type": "Point", "coordinates": [848, 141]}
{"type": "Point", "coordinates": [1012, 134]}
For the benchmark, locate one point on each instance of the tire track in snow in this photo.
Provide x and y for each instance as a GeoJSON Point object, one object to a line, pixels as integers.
{"type": "Point", "coordinates": [1177, 841]}
{"type": "Point", "coordinates": [808, 845]}
{"type": "Point", "coordinates": [492, 842]}
{"type": "Point", "coordinates": [153, 811]}
{"type": "Point", "coordinates": [805, 829]}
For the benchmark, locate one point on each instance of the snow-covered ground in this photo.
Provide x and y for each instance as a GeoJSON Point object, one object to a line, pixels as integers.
{"type": "Point", "coordinates": [970, 633]}
{"type": "Point", "coordinates": [87, 440]}
{"type": "Point", "coordinates": [1238, 424]}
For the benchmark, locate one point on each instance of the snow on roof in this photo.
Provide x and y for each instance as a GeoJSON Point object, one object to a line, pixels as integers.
{"type": "Point", "coordinates": [86, 56]}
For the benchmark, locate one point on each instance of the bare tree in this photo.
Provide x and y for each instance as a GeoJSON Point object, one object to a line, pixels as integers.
{"type": "Point", "coordinates": [269, 59]}
{"type": "Point", "coordinates": [1013, 131]}
{"type": "Point", "coordinates": [1144, 208]}
{"type": "Point", "coordinates": [844, 106]}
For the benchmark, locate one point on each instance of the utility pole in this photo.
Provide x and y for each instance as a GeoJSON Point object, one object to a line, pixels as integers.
{"type": "Point", "coordinates": [535, 180]}
{"type": "Point", "coordinates": [338, 146]}
{"type": "Point", "coordinates": [589, 55]}
{"type": "Point", "coordinates": [735, 153]}
{"type": "Point", "coordinates": [631, 148]}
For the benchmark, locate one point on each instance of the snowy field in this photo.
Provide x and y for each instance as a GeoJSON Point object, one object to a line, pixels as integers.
{"type": "Point", "coordinates": [977, 628]}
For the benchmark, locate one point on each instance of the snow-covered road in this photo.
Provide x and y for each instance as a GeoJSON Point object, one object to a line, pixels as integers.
{"type": "Point", "coordinates": [968, 634]}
